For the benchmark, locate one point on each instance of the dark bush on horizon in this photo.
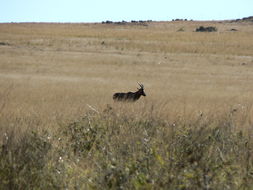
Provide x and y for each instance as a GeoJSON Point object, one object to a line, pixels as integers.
{"type": "Point", "coordinates": [206, 29]}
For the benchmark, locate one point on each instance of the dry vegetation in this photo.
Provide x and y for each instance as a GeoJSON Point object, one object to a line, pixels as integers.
{"type": "Point", "coordinates": [59, 127]}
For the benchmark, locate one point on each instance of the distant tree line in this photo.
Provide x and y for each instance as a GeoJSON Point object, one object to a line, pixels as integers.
{"type": "Point", "coordinates": [123, 22]}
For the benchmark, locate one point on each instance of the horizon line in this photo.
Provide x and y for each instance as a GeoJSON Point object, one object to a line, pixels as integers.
{"type": "Point", "coordinates": [122, 21]}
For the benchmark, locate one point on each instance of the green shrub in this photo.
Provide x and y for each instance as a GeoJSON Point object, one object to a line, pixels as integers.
{"type": "Point", "coordinates": [206, 29]}
{"type": "Point", "coordinates": [118, 151]}
{"type": "Point", "coordinates": [25, 163]}
{"type": "Point", "coordinates": [135, 153]}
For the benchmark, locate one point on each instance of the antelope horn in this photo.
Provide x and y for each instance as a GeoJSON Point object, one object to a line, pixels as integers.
{"type": "Point", "coordinates": [141, 85]}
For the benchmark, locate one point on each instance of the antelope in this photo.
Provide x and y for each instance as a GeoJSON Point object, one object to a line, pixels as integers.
{"type": "Point", "coordinates": [130, 96]}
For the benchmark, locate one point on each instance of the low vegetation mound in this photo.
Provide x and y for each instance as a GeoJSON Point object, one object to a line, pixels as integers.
{"type": "Point", "coordinates": [4, 44]}
{"type": "Point", "coordinates": [206, 29]}
{"type": "Point", "coordinates": [245, 19]}
{"type": "Point", "coordinates": [117, 151]}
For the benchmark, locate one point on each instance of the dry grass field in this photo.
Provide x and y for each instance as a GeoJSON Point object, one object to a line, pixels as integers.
{"type": "Point", "coordinates": [53, 74]}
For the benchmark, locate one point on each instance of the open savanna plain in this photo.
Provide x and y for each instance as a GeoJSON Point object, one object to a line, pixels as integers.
{"type": "Point", "coordinates": [61, 129]}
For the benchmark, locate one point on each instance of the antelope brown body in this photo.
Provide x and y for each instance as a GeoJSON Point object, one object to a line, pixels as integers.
{"type": "Point", "coordinates": [130, 96]}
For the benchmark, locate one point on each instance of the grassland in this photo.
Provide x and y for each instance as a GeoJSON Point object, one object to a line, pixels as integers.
{"type": "Point", "coordinates": [59, 127]}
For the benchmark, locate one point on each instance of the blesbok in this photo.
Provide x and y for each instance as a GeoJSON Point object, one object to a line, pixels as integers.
{"type": "Point", "coordinates": [130, 96]}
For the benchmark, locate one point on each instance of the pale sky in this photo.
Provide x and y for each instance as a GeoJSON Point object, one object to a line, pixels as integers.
{"type": "Point", "coordinates": [118, 10]}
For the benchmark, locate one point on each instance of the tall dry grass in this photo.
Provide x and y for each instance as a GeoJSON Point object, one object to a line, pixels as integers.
{"type": "Point", "coordinates": [125, 147]}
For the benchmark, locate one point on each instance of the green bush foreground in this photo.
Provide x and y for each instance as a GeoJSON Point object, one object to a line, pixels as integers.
{"type": "Point", "coordinates": [110, 151]}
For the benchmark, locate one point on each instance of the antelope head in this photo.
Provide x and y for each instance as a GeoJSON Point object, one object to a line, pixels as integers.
{"type": "Point", "coordinates": [141, 89]}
